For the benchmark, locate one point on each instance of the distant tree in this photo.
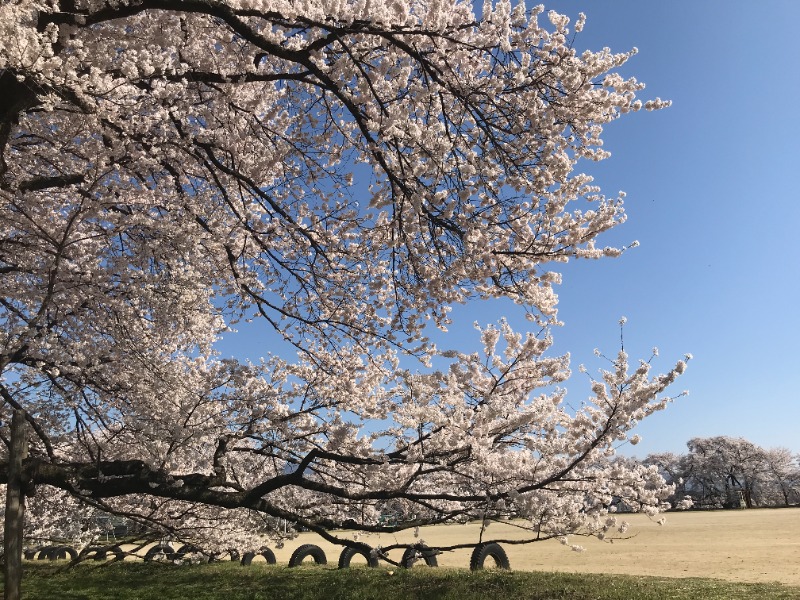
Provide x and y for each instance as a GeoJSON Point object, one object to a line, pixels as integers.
{"type": "Point", "coordinates": [717, 471]}
{"type": "Point", "coordinates": [344, 173]}
{"type": "Point", "coordinates": [783, 476]}
{"type": "Point", "coordinates": [723, 467]}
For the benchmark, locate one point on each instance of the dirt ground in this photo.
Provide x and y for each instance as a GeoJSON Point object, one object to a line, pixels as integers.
{"type": "Point", "coordinates": [757, 545]}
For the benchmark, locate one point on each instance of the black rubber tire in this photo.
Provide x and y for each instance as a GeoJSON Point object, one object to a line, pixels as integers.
{"type": "Point", "coordinates": [29, 553]}
{"type": "Point", "coordinates": [181, 552]}
{"type": "Point", "coordinates": [307, 550]}
{"type": "Point", "coordinates": [57, 553]}
{"type": "Point", "coordinates": [102, 552]}
{"type": "Point", "coordinates": [164, 549]}
{"type": "Point", "coordinates": [415, 553]}
{"type": "Point", "coordinates": [349, 553]}
{"type": "Point", "coordinates": [61, 553]}
{"type": "Point", "coordinates": [119, 553]}
{"type": "Point", "coordinates": [269, 556]}
{"type": "Point", "coordinates": [44, 552]}
{"type": "Point", "coordinates": [486, 550]}
{"type": "Point", "coordinates": [93, 552]}
{"type": "Point", "coordinates": [231, 554]}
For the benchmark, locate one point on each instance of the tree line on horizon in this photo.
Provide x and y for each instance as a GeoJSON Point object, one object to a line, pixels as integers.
{"type": "Point", "coordinates": [730, 472]}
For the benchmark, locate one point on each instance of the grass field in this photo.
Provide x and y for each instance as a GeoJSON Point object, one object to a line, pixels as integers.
{"type": "Point", "coordinates": [724, 555]}
{"type": "Point", "coordinates": [757, 545]}
{"type": "Point", "coordinates": [230, 581]}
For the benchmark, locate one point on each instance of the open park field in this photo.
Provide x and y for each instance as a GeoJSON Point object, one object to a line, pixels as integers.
{"type": "Point", "coordinates": [691, 556]}
{"type": "Point", "coordinates": [757, 545]}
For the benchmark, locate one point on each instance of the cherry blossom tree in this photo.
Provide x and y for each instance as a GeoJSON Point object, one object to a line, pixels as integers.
{"type": "Point", "coordinates": [783, 476]}
{"type": "Point", "coordinates": [344, 172]}
{"type": "Point", "coordinates": [722, 471]}
{"type": "Point", "coordinates": [724, 467]}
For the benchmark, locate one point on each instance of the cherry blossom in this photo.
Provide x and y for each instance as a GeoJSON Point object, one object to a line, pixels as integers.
{"type": "Point", "coordinates": [345, 172]}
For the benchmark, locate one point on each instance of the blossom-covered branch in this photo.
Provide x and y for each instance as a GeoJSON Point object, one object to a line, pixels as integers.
{"type": "Point", "coordinates": [345, 173]}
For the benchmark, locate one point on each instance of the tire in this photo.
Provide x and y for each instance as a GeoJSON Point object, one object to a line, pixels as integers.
{"type": "Point", "coordinates": [306, 550]}
{"type": "Point", "coordinates": [486, 550]}
{"type": "Point", "coordinates": [101, 553]}
{"type": "Point", "coordinates": [232, 554]}
{"type": "Point", "coordinates": [159, 549]}
{"type": "Point", "coordinates": [61, 553]}
{"type": "Point", "coordinates": [93, 552]}
{"type": "Point", "coordinates": [415, 553]}
{"type": "Point", "coordinates": [181, 552]}
{"type": "Point", "coordinates": [350, 552]}
{"type": "Point", "coordinates": [29, 553]}
{"type": "Point", "coordinates": [44, 553]}
{"type": "Point", "coordinates": [248, 557]}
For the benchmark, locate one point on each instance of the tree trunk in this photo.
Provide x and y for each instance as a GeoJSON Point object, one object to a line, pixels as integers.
{"type": "Point", "coordinates": [15, 509]}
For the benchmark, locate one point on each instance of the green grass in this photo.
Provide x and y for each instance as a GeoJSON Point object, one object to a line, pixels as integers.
{"type": "Point", "coordinates": [230, 581]}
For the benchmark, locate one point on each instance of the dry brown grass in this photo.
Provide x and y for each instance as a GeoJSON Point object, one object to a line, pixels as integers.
{"type": "Point", "coordinates": [747, 545]}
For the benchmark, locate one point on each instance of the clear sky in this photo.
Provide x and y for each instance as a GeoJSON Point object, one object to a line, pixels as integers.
{"type": "Point", "coordinates": [713, 200]}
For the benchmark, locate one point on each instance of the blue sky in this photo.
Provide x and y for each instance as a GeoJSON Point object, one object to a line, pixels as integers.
{"type": "Point", "coordinates": [712, 198]}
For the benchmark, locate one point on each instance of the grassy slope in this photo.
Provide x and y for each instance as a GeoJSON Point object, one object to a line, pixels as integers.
{"type": "Point", "coordinates": [230, 581]}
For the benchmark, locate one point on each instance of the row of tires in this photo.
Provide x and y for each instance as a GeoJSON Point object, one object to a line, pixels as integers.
{"type": "Point", "coordinates": [480, 555]}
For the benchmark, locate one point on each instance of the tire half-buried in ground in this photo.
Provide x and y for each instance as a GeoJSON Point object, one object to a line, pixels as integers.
{"type": "Point", "coordinates": [101, 553]}
{"type": "Point", "coordinates": [350, 552]}
{"type": "Point", "coordinates": [189, 550]}
{"type": "Point", "coordinates": [61, 553]}
{"type": "Point", "coordinates": [268, 555]}
{"type": "Point", "coordinates": [93, 552]}
{"type": "Point", "coordinates": [159, 552]}
{"type": "Point", "coordinates": [486, 550]}
{"type": "Point", "coordinates": [419, 552]}
{"type": "Point", "coordinates": [305, 551]}
{"type": "Point", "coordinates": [231, 554]}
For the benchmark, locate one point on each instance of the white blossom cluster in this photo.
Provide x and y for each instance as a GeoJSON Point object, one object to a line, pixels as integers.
{"type": "Point", "coordinates": [344, 171]}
